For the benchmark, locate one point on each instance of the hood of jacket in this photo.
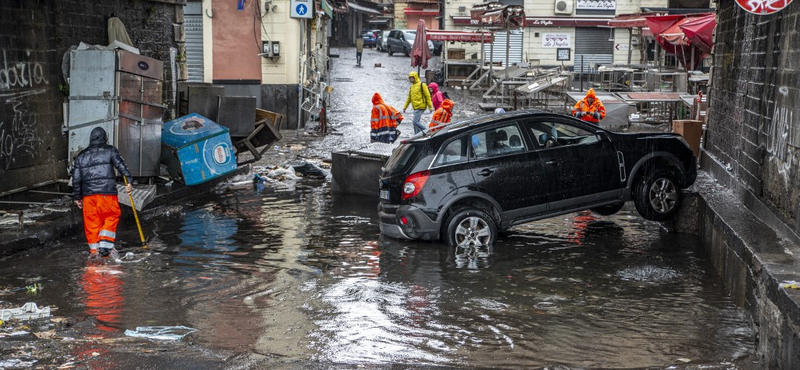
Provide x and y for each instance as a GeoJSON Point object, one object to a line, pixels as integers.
{"type": "Point", "coordinates": [416, 77]}
{"type": "Point", "coordinates": [377, 99]}
{"type": "Point", "coordinates": [434, 87]}
{"type": "Point", "coordinates": [98, 136]}
{"type": "Point", "coordinates": [447, 104]}
{"type": "Point", "coordinates": [591, 94]}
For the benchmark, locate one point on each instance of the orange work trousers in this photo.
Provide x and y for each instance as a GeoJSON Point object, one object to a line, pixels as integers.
{"type": "Point", "coordinates": [100, 218]}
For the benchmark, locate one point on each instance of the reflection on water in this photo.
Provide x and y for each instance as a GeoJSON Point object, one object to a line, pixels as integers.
{"type": "Point", "coordinates": [306, 275]}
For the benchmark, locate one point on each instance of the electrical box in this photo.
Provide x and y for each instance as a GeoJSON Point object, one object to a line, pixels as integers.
{"type": "Point", "coordinates": [270, 49]}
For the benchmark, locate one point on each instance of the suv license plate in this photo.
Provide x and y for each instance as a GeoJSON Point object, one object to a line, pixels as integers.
{"type": "Point", "coordinates": [384, 194]}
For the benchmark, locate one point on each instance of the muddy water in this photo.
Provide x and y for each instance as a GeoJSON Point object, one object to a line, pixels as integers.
{"type": "Point", "coordinates": [295, 273]}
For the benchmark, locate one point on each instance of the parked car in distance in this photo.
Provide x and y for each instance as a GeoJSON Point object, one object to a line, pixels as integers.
{"type": "Point", "coordinates": [382, 38]}
{"type": "Point", "coordinates": [400, 41]}
{"type": "Point", "coordinates": [403, 41]}
{"type": "Point", "coordinates": [370, 38]}
{"type": "Point", "coordinates": [472, 179]}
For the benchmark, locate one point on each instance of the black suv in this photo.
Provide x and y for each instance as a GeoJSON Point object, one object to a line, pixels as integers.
{"type": "Point", "coordinates": [471, 179]}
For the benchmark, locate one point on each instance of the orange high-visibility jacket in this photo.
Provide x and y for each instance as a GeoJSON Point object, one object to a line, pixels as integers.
{"type": "Point", "coordinates": [383, 123]}
{"type": "Point", "coordinates": [442, 115]}
{"type": "Point", "coordinates": [584, 106]}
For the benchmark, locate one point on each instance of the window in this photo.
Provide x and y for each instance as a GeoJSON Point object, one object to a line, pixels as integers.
{"type": "Point", "coordinates": [553, 134]}
{"type": "Point", "coordinates": [497, 141]}
{"type": "Point", "coordinates": [453, 152]}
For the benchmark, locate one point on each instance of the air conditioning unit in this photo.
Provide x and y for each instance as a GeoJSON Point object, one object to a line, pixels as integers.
{"type": "Point", "coordinates": [563, 7]}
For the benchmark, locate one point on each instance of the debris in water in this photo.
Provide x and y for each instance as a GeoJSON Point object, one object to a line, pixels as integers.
{"type": "Point", "coordinates": [160, 332]}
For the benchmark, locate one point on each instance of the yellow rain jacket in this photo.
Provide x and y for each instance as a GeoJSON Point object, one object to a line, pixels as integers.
{"type": "Point", "coordinates": [418, 95]}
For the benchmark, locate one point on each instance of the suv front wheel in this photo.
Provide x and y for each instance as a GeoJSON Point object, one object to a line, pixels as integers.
{"type": "Point", "coordinates": [658, 196]}
{"type": "Point", "coordinates": [470, 226]}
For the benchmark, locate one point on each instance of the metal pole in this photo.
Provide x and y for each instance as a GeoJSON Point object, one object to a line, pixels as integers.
{"type": "Point", "coordinates": [300, 78]}
{"type": "Point", "coordinates": [630, 45]}
{"type": "Point", "coordinates": [581, 72]}
{"type": "Point", "coordinates": [508, 45]}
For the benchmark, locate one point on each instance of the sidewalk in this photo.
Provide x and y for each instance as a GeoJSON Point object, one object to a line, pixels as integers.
{"type": "Point", "coordinates": [755, 260]}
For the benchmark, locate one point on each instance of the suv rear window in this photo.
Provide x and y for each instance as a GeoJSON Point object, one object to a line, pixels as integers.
{"type": "Point", "coordinates": [402, 159]}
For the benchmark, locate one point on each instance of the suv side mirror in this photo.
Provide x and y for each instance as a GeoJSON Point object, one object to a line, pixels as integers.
{"type": "Point", "coordinates": [602, 135]}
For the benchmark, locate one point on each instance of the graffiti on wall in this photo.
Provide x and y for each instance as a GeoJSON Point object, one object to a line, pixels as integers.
{"type": "Point", "coordinates": [23, 74]}
{"type": "Point", "coordinates": [18, 122]}
{"type": "Point", "coordinates": [778, 139]}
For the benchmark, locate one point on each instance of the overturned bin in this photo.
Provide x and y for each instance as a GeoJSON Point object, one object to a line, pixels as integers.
{"type": "Point", "coordinates": [196, 149]}
{"type": "Point", "coordinates": [358, 171]}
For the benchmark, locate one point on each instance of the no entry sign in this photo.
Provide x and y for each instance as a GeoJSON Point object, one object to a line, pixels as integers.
{"type": "Point", "coordinates": [763, 7]}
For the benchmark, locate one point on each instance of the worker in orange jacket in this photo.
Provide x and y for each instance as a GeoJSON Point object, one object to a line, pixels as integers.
{"type": "Point", "coordinates": [94, 185]}
{"type": "Point", "coordinates": [384, 121]}
{"type": "Point", "coordinates": [442, 115]}
{"type": "Point", "coordinates": [590, 108]}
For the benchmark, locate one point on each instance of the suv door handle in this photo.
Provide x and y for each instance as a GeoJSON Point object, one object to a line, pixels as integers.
{"type": "Point", "coordinates": [485, 172]}
{"type": "Point", "coordinates": [551, 163]}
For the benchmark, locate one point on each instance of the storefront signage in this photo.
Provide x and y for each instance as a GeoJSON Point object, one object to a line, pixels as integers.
{"type": "Point", "coordinates": [597, 5]}
{"type": "Point", "coordinates": [555, 40]}
{"type": "Point", "coordinates": [763, 7]}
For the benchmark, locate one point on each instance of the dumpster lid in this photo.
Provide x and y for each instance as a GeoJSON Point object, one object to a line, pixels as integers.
{"type": "Point", "coordinates": [189, 129]}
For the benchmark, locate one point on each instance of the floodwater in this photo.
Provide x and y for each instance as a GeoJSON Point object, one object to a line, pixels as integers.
{"type": "Point", "coordinates": [293, 272]}
{"type": "Point", "coordinates": [288, 275]}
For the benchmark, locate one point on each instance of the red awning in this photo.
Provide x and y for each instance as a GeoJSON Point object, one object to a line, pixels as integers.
{"type": "Point", "coordinates": [670, 34]}
{"type": "Point", "coordinates": [410, 11]}
{"type": "Point", "coordinates": [463, 36]}
{"type": "Point", "coordinates": [542, 21]}
{"type": "Point", "coordinates": [636, 20]}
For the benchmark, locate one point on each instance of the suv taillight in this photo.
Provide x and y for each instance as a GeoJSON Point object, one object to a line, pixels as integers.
{"type": "Point", "coordinates": [414, 183]}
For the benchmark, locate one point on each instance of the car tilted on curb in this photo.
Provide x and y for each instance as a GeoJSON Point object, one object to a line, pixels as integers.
{"type": "Point", "coordinates": [468, 181]}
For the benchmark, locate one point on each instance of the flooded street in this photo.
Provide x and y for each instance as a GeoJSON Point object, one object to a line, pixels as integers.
{"type": "Point", "coordinates": [289, 275]}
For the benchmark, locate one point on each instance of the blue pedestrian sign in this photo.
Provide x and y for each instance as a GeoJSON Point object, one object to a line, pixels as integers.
{"type": "Point", "coordinates": [301, 9]}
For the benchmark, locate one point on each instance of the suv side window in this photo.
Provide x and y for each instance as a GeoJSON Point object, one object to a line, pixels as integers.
{"type": "Point", "coordinates": [452, 152]}
{"type": "Point", "coordinates": [548, 134]}
{"type": "Point", "coordinates": [497, 141]}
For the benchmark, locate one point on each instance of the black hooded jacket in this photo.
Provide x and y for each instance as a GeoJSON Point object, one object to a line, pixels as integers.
{"type": "Point", "coordinates": [93, 172]}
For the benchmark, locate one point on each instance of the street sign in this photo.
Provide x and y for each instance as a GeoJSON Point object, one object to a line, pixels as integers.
{"type": "Point", "coordinates": [763, 7]}
{"type": "Point", "coordinates": [301, 9]}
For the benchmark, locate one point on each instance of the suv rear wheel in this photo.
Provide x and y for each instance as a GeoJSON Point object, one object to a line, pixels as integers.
{"type": "Point", "coordinates": [658, 196]}
{"type": "Point", "coordinates": [390, 50]}
{"type": "Point", "coordinates": [470, 226]}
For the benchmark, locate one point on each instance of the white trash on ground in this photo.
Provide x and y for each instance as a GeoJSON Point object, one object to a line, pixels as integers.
{"type": "Point", "coordinates": [160, 332]}
{"type": "Point", "coordinates": [26, 312]}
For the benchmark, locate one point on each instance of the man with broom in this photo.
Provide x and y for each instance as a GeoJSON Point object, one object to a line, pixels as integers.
{"type": "Point", "coordinates": [94, 185]}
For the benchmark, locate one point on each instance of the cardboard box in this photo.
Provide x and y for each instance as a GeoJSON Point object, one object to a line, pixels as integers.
{"type": "Point", "coordinates": [691, 130]}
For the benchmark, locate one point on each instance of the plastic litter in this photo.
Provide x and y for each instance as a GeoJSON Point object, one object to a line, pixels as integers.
{"type": "Point", "coordinates": [26, 312]}
{"type": "Point", "coordinates": [131, 257]}
{"type": "Point", "coordinates": [310, 170]}
{"type": "Point", "coordinates": [160, 332]}
{"type": "Point", "coordinates": [16, 364]}
{"type": "Point", "coordinates": [790, 284]}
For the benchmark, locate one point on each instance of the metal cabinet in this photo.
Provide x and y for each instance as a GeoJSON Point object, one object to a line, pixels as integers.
{"type": "Point", "coordinates": [122, 92]}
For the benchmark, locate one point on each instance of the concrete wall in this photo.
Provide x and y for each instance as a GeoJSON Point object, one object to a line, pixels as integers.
{"type": "Point", "coordinates": [754, 114]}
{"type": "Point", "coordinates": [34, 36]}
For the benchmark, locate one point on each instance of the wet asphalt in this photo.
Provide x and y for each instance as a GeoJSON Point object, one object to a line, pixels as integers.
{"type": "Point", "coordinates": [287, 275]}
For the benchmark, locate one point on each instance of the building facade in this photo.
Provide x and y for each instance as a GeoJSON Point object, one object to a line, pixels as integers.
{"type": "Point", "coordinates": [581, 26]}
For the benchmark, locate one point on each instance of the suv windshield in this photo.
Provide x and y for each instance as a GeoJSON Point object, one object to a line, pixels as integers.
{"type": "Point", "coordinates": [404, 157]}
{"type": "Point", "coordinates": [410, 36]}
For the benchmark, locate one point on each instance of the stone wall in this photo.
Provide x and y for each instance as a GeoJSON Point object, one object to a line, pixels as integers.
{"type": "Point", "coordinates": [34, 37]}
{"type": "Point", "coordinates": [754, 115]}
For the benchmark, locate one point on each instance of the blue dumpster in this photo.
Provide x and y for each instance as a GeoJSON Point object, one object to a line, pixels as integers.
{"type": "Point", "coordinates": [196, 149]}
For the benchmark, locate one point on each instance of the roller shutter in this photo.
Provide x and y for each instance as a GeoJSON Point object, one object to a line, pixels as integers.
{"type": "Point", "coordinates": [592, 47]}
{"type": "Point", "coordinates": [193, 26]}
{"type": "Point", "coordinates": [499, 45]}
